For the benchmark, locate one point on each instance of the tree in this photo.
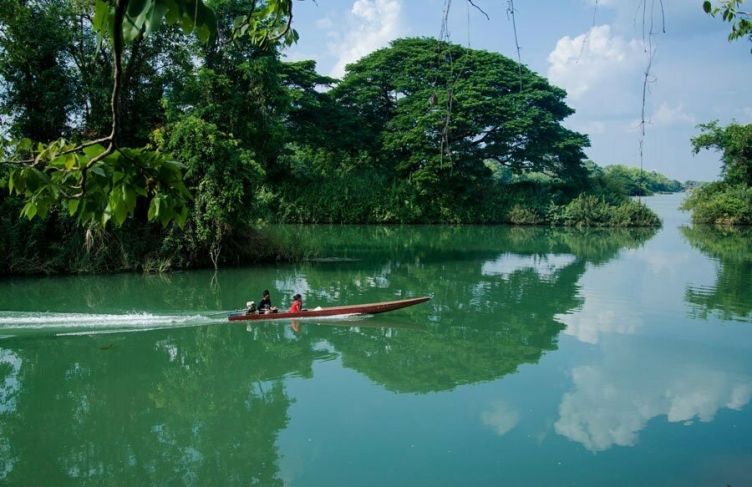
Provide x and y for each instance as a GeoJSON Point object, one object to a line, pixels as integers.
{"type": "Point", "coordinates": [38, 90]}
{"type": "Point", "coordinates": [440, 111]}
{"type": "Point", "coordinates": [101, 179]}
{"type": "Point", "coordinates": [735, 143]}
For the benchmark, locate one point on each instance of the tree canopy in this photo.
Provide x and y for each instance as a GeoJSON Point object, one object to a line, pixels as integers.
{"type": "Point", "coordinates": [735, 144]}
{"type": "Point", "coordinates": [439, 110]}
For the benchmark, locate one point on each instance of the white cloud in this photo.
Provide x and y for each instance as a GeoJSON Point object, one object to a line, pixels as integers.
{"type": "Point", "coordinates": [665, 115]}
{"type": "Point", "coordinates": [325, 23]}
{"type": "Point", "coordinates": [501, 418]}
{"type": "Point", "coordinates": [372, 24]}
{"type": "Point", "coordinates": [593, 62]}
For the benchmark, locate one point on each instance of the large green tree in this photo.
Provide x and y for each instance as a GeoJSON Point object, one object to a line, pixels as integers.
{"type": "Point", "coordinates": [734, 142]}
{"type": "Point", "coordinates": [439, 110]}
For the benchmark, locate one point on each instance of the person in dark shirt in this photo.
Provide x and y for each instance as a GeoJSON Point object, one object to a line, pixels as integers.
{"type": "Point", "coordinates": [265, 305]}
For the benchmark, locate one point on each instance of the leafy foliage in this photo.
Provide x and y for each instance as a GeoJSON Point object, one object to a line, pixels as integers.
{"type": "Point", "coordinates": [735, 143]}
{"type": "Point", "coordinates": [112, 183]}
{"type": "Point", "coordinates": [591, 211]}
{"type": "Point", "coordinates": [438, 111]}
{"type": "Point", "coordinates": [80, 174]}
{"type": "Point", "coordinates": [729, 10]}
{"type": "Point", "coordinates": [720, 203]}
{"type": "Point", "coordinates": [728, 202]}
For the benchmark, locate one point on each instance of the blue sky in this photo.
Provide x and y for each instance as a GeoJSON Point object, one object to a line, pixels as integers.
{"type": "Point", "coordinates": [595, 49]}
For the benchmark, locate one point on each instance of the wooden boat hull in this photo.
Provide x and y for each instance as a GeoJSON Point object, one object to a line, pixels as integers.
{"type": "Point", "coordinates": [351, 310]}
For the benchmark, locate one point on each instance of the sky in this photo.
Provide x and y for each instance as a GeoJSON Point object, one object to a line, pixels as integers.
{"type": "Point", "coordinates": [597, 50]}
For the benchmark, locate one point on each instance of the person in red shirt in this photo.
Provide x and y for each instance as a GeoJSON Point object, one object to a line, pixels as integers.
{"type": "Point", "coordinates": [297, 304]}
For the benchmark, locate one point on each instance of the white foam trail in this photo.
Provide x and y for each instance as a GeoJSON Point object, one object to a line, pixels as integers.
{"type": "Point", "coordinates": [85, 323]}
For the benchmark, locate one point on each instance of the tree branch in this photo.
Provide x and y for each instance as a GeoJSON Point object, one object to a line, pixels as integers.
{"type": "Point", "coordinates": [478, 9]}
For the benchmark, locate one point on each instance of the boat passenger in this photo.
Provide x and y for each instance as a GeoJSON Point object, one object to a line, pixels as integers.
{"type": "Point", "coordinates": [250, 307]}
{"type": "Point", "coordinates": [265, 305]}
{"type": "Point", "coordinates": [297, 304]}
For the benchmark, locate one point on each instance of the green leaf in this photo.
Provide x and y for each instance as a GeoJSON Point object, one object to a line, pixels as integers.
{"type": "Point", "coordinates": [182, 216]}
{"type": "Point", "coordinates": [101, 16]}
{"type": "Point", "coordinates": [137, 7]}
{"type": "Point", "coordinates": [42, 209]}
{"type": "Point", "coordinates": [120, 212]}
{"type": "Point", "coordinates": [106, 215]}
{"type": "Point", "coordinates": [29, 210]}
{"type": "Point", "coordinates": [70, 161]}
{"type": "Point", "coordinates": [129, 198]}
{"type": "Point", "coordinates": [73, 206]}
{"type": "Point", "coordinates": [154, 16]}
{"type": "Point", "coordinates": [93, 150]}
{"type": "Point", "coordinates": [203, 33]}
{"type": "Point", "coordinates": [153, 208]}
{"type": "Point", "coordinates": [707, 7]}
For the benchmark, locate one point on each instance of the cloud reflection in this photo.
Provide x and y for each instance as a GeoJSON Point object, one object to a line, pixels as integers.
{"type": "Point", "coordinates": [613, 401]}
{"type": "Point", "coordinates": [502, 417]}
{"type": "Point", "coordinates": [546, 266]}
{"type": "Point", "coordinates": [600, 316]}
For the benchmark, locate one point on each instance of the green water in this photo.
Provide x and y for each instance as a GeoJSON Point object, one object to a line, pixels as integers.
{"type": "Point", "coordinates": [546, 357]}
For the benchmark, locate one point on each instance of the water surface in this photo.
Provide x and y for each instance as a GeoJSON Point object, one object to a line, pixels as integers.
{"type": "Point", "coordinates": [546, 357]}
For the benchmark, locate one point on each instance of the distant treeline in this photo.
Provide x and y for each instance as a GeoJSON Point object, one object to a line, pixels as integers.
{"type": "Point", "coordinates": [631, 181]}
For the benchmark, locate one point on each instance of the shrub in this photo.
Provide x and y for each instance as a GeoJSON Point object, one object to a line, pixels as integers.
{"type": "Point", "coordinates": [720, 204]}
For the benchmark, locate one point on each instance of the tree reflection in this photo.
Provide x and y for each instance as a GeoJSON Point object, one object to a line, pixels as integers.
{"type": "Point", "coordinates": [205, 405]}
{"type": "Point", "coordinates": [196, 406]}
{"type": "Point", "coordinates": [494, 305]}
{"type": "Point", "coordinates": [731, 248]}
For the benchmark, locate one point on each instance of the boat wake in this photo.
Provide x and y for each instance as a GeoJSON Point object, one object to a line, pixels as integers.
{"type": "Point", "coordinates": [26, 323]}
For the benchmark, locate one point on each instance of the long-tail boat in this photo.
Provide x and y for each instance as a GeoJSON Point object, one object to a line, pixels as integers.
{"type": "Point", "coordinates": [351, 310]}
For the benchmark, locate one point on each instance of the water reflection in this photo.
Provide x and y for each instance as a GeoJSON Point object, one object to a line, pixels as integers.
{"type": "Point", "coordinates": [205, 404]}
{"type": "Point", "coordinates": [730, 297]}
{"type": "Point", "coordinates": [640, 379]}
{"type": "Point", "coordinates": [188, 407]}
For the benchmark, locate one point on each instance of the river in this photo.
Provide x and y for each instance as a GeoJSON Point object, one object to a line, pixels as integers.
{"type": "Point", "coordinates": [545, 357]}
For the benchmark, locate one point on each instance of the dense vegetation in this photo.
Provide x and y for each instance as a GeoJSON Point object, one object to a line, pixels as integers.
{"type": "Point", "coordinates": [200, 139]}
{"type": "Point", "coordinates": [729, 201]}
